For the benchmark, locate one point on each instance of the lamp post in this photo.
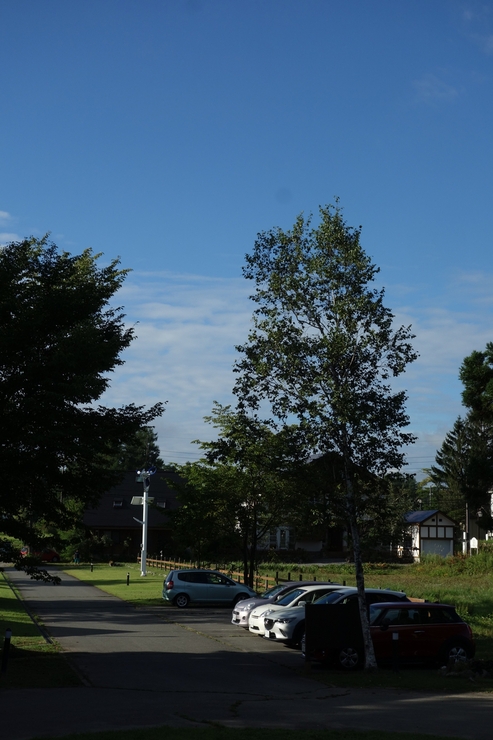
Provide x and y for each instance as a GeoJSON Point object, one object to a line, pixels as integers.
{"type": "Point", "coordinates": [143, 476]}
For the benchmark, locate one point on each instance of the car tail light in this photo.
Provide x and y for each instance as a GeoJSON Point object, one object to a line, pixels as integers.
{"type": "Point", "coordinates": [169, 584]}
{"type": "Point", "coordinates": [470, 631]}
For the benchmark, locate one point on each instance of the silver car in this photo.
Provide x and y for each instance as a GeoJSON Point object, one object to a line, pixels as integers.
{"type": "Point", "coordinates": [182, 587]}
{"type": "Point", "coordinates": [241, 611]}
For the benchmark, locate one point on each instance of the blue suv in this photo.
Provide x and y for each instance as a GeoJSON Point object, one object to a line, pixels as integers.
{"type": "Point", "coordinates": [182, 587]}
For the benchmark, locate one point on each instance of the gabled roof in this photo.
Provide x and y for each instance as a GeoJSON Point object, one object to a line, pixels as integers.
{"type": "Point", "coordinates": [415, 517]}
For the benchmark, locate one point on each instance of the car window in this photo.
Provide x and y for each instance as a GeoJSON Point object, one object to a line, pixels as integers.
{"type": "Point", "coordinates": [311, 596]}
{"type": "Point", "coordinates": [218, 580]}
{"type": "Point", "coordinates": [403, 616]}
{"type": "Point", "coordinates": [439, 615]}
{"type": "Point", "coordinates": [198, 577]}
{"type": "Point", "coordinates": [331, 598]}
{"type": "Point", "coordinates": [291, 596]}
{"type": "Point", "coordinates": [379, 598]}
{"type": "Point", "coordinates": [375, 613]}
{"type": "Point", "coordinates": [272, 591]}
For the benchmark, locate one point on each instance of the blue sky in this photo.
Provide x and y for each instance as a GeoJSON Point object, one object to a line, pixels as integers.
{"type": "Point", "coordinates": [169, 132]}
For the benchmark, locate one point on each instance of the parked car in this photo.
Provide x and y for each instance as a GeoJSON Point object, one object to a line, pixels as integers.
{"type": "Point", "coordinates": [241, 611]}
{"type": "Point", "coordinates": [426, 633]}
{"type": "Point", "coordinates": [182, 587]}
{"type": "Point", "coordinates": [47, 554]}
{"type": "Point", "coordinates": [289, 625]}
{"type": "Point", "coordinates": [307, 594]}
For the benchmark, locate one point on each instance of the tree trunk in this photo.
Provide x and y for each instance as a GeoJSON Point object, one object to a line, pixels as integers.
{"type": "Point", "coordinates": [370, 660]}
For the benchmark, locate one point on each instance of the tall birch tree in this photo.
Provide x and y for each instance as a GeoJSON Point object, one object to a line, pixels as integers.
{"type": "Point", "coordinates": [323, 349]}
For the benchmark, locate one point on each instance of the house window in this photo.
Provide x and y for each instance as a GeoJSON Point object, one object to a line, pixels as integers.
{"type": "Point", "coordinates": [117, 503]}
{"type": "Point", "coordinates": [161, 504]}
{"type": "Point", "coordinates": [424, 532]}
{"type": "Point", "coordinates": [449, 532]}
{"type": "Point", "coordinates": [441, 531]}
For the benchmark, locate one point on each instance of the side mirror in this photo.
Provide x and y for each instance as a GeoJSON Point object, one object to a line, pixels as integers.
{"type": "Point", "coordinates": [301, 603]}
{"type": "Point", "coordinates": [385, 624]}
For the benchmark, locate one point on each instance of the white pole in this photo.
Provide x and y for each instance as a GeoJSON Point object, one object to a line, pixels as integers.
{"type": "Point", "coordinates": [143, 555]}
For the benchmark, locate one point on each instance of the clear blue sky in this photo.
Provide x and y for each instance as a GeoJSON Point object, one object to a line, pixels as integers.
{"type": "Point", "coordinates": [169, 132]}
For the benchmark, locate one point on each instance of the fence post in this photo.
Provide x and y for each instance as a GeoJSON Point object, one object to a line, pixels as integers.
{"type": "Point", "coordinates": [289, 575]}
{"type": "Point", "coordinates": [277, 576]}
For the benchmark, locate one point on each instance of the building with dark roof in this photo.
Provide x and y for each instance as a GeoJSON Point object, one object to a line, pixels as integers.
{"type": "Point", "coordinates": [116, 519]}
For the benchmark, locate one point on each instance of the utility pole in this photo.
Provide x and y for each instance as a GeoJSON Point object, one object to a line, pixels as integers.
{"type": "Point", "coordinates": [143, 476]}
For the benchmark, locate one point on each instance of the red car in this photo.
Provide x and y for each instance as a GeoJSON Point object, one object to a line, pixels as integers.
{"type": "Point", "coordinates": [47, 555]}
{"type": "Point", "coordinates": [410, 632]}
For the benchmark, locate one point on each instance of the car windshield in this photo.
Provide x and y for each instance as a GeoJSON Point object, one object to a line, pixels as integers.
{"type": "Point", "coordinates": [330, 598]}
{"type": "Point", "coordinates": [375, 612]}
{"type": "Point", "coordinates": [272, 591]}
{"type": "Point", "coordinates": [291, 596]}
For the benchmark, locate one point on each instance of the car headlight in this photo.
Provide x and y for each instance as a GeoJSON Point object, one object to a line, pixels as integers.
{"type": "Point", "coordinates": [242, 606]}
{"type": "Point", "coordinates": [286, 620]}
{"type": "Point", "coordinates": [266, 613]}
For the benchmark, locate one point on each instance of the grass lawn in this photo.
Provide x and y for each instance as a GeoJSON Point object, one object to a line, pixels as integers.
{"type": "Point", "coordinates": [213, 733]}
{"type": "Point", "coordinates": [32, 661]}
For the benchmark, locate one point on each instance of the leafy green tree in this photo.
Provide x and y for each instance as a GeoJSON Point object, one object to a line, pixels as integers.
{"type": "Point", "coordinates": [245, 478]}
{"type": "Point", "coordinates": [323, 349]}
{"type": "Point", "coordinates": [138, 453]}
{"type": "Point", "coordinates": [61, 338]}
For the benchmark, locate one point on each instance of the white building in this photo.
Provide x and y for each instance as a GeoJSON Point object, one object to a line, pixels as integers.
{"type": "Point", "coordinates": [432, 533]}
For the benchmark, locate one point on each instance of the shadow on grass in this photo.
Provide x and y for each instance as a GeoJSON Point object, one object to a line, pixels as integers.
{"type": "Point", "coordinates": [37, 669]}
{"type": "Point", "coordinates": [414, 678]}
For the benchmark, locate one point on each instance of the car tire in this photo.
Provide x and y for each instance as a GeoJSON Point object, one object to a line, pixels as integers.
{"type": "Point", "coordinates": [298, 636]}
{"type": "Point", "coordinates": [181, 601]}
{"type": "Point", "coordinates": [348, 658]}
{"type": "Point", "coordinates": [240, 597]}
{"type": "Point", "coordinates": [456, 651]}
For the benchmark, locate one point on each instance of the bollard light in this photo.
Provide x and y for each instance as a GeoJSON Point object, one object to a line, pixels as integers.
{"type": "Point", "coordinates": [128, 579]}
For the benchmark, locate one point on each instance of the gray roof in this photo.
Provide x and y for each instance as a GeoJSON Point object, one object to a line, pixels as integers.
{"type": "Point", "coordinates": [415, 517]}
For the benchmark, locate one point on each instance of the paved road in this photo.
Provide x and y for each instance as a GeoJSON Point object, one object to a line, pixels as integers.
{"type": "Point", "coordinates": [185, 668]}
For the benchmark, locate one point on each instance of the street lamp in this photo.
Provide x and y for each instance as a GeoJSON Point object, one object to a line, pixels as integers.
{"type": "Point", "coordinates": [143, 476]}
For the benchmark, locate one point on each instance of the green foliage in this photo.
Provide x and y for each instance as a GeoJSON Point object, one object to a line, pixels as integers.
{"type": "Point", "coordinates": [463, 474]}
{"type": "Point", "coordinates": [60, 339]}
{"type": "Point", "coordinates": [476, 374]}
{"type": "Point", "coordinates": [139, 452]}
{"type": "Point", "coordinates": [241, 489]}
{"type": "Point", "coordinates": [323, 349]}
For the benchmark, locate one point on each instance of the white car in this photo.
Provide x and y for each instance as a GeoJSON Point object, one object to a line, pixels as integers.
{"type": "Point", "coordinates": [241, 611]}
{"type": "Point", "coordinates": [288, 626]}
{"type": "Point", "coordinates": [305, 594]}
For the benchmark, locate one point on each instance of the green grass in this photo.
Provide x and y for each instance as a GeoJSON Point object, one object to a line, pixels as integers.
{"type": "Point", "coordinates": [32, 662]}
{"type": "Point", "coordinates": [141, 591]}
{"type": "Point", "coordinates": [215, 732]}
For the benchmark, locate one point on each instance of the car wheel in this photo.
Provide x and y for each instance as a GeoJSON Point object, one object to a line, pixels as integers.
{"type": "Point", "coordinates": [348, 658]}
{"type": "Point", "coordinates": [298, 636]}
{"type": "Point", "coordinates": [455, 652]}
{"type": "Point", "coordinates": [181, 601]}
{"type": "Point", "coordinates": [240, 597]}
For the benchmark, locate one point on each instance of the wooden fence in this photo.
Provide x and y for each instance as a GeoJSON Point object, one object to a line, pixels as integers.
{"type": "Point", "coordinates": [262, 583]}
